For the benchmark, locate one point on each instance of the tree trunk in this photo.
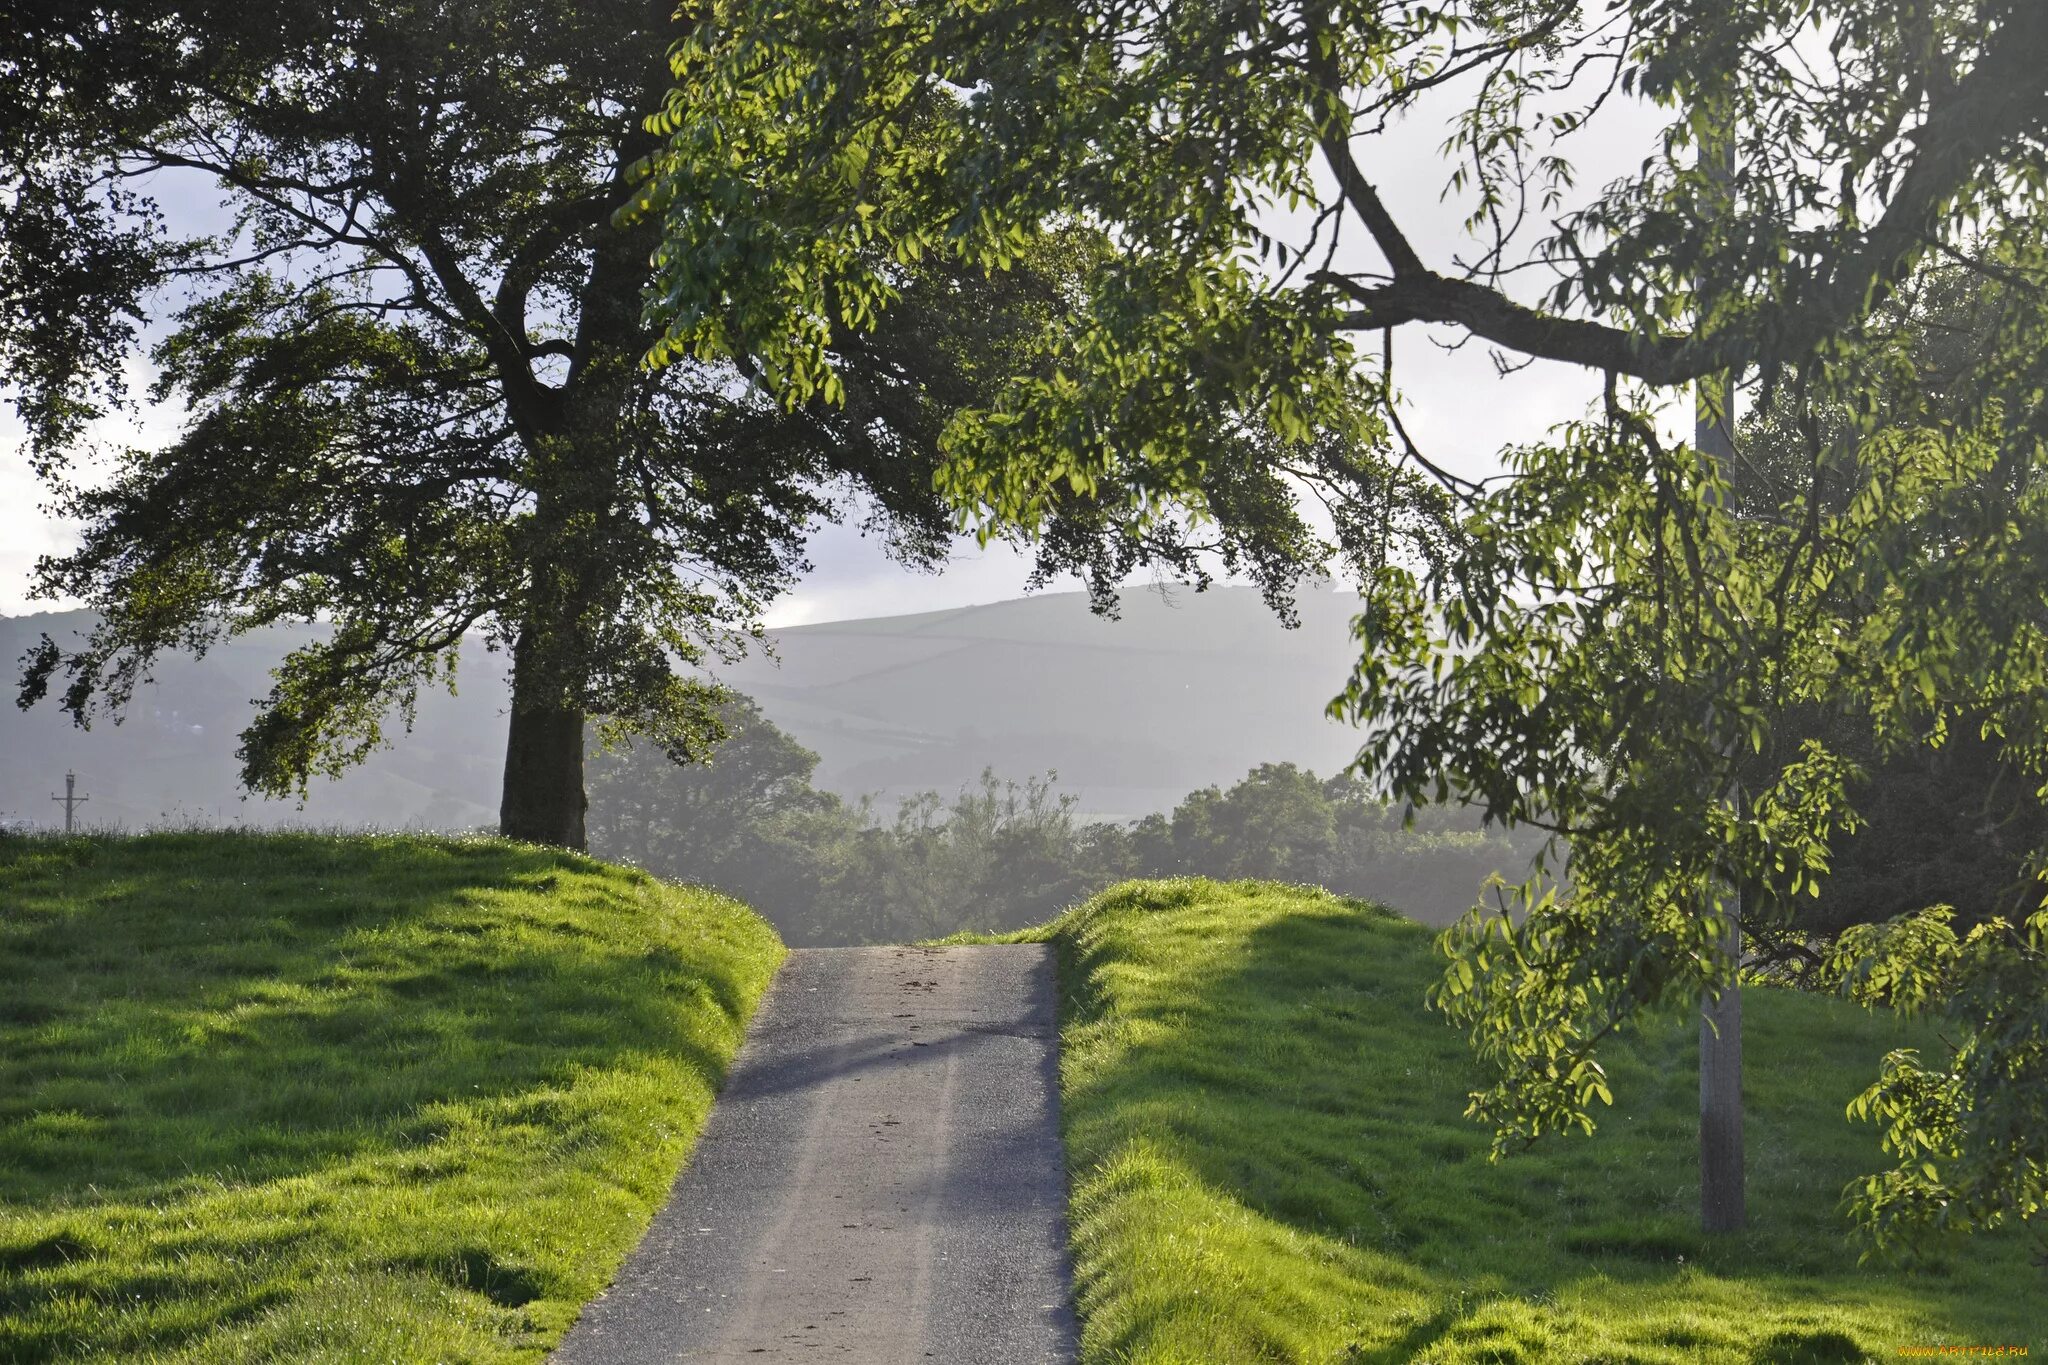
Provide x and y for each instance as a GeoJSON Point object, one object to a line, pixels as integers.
{"type": "Point", "coordinates": [1722, 1204]}
{"type": "Point", "coordinates": [543, 798]}
{"type": "Point", "coordinates": [577, 439]}
{"type": "Point", "coordinates": [1721, 1162]}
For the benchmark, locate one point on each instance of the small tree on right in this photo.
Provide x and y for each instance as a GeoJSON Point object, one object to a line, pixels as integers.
{"type": "Point", "coordinates": [1854, 588]}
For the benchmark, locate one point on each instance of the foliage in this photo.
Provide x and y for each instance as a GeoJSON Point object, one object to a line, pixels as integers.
{"type": "Point", "coordinates": [998, 853]}
{"type": "Point", "coordinates": [1953, 825]}
{"type": "Point", "coordinates": [1183, 130]}
{"type": "Point", "coordinates": [748, 822]}
{"type": "Point", "coordinates": [1964, 1128]}
{"type": "Point", "coordinates": [827, 872]}
{"type": "Point", "coordinates": [1613, 672]}
{"type": "Point", "coordinates": [1269, 1162]}
{"type": "Point", "coordinates": [290, 1097]}
{"type": "Point", "coordinates": [722, 805]}
{"type": "Point", "coordinates": [1283, 823]}
{"type": "Point", "coordinates": [1949, 823]}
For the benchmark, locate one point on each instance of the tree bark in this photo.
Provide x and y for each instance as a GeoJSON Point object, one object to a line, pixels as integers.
{"type": "Point", "coordinates": [1722, 1204]}
{"type": "Point", "coordinates": [543, 800]}
{"type": "Point", "coordinates": [1723, 1207]}
{"type": "Point", "coordinates": [578, 437]}
{"type": "Point", "coordinates": [574, 579]}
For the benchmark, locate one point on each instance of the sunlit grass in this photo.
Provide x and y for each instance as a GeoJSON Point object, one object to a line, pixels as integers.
{"type": "Point", "coordinates": [323, 1099]}
{"type": "Point", "coordinates": [1269, 1162]}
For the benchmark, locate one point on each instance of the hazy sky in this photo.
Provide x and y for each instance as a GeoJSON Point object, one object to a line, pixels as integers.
{"type": "Point", "coordinates": [1459, 410]}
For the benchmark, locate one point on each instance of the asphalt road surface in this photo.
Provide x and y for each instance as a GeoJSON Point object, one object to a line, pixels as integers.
{"type": "Point", "coordinates": [879, 1184]}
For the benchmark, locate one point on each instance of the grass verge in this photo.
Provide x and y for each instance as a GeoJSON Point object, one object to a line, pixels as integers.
{"type": "Point", "coordinates": [278, 1097]}
{"type": "Point", "coordinates": [1269, 1163]}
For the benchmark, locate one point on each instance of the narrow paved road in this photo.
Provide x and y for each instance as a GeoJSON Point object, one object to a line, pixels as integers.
{"type": "Point", "coordinates": [880, 1183]}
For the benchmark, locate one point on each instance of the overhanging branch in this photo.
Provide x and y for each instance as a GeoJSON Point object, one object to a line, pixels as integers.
{"type": "Point", "coordinates": [2003, 99]}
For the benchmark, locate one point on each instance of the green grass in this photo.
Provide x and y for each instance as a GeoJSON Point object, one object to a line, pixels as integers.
{"type": "Point", "coordinates": [1269, 1163]}
{"type": "Point", "coordinates": [296, 1098]}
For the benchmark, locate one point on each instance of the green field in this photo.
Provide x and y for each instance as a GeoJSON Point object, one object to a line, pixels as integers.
{"type": "Point", "coordinates": [342, 1099]}
{"type": "Point", "coordinates": [1269, 1163]}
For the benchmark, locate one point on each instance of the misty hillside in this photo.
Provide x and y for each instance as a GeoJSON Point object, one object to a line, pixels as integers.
{"type": "Point", "coordinates": [1185, 690]}
{"type": "Point", "coordinates": [171, 759]}
{"type": "Point", "coordinates": [1133, 713]}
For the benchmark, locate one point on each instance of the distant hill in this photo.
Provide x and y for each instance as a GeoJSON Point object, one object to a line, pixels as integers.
{"type": "Point", "coordinates": [171, 759]}
{"type": "Point", "coordinates": [1185, 690]}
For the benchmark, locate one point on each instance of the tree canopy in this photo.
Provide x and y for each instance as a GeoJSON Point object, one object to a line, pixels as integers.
{"type": "Point", "coordinates": [1863, 139]}
{"type": "Point", "coordinates": [1605, 640]}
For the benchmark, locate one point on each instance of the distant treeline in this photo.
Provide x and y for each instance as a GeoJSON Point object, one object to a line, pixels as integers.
{"type": "Point", "coordinates": [1951, 826]}
{"type": "Point", "coordinates": [1004, 854]}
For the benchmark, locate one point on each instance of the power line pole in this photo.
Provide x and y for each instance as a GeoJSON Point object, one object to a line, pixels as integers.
{"type": "Point", "coordinates": [71, 799]}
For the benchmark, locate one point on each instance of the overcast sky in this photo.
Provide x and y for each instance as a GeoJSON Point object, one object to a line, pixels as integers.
{"type": "Point", "coordinates": [1460, 411]}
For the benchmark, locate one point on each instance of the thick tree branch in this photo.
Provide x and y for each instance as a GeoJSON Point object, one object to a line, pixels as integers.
{"type": "Point", "coordinates": [2003, 98]}
{"type": "Point", "coordinates": [1492, 315]}
{"type": "Point", "coordinates": [562, 222]}
{"type": "Point", "coordinates": [1371, 210]}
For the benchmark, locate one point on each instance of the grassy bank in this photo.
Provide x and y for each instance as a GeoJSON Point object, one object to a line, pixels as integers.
{"type": "Point", "coordinates": [325, 1099]}
{"type": "Point", "coordinates": [1269, 1163]}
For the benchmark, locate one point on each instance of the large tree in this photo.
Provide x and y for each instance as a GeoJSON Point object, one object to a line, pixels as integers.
{"type": "Point", "coordinates": [1606, 639]}
{"type": "Point", "coordinates": [409, 354]}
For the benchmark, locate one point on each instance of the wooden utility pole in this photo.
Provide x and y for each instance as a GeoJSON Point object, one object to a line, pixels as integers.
{"type": "Point", "coordinates": [71, 799]}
